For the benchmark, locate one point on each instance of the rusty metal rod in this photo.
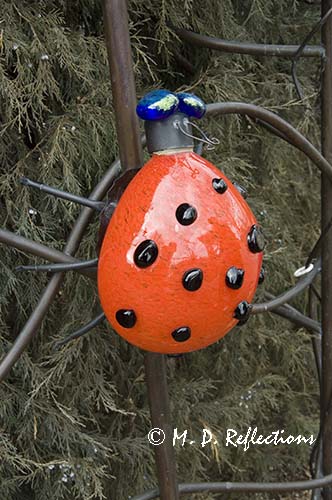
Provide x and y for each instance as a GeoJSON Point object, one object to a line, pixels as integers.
{"type": "Point", "coordinates": [326, 211]}
{"type": "Point", "coordinates": [131, 156]}
{"type": "Point", "coordinates": [253, 49]}
{"type": "Point", "coordinates": [316, 454]}
{"type": "Point", "coordinates": [315, 460]}
{"type": "Point", "coordinates": [123, 83]}
{"type": "Point", "coordinates": [316, 340]}
{"type": "Point", "coordinates": [155, 371]}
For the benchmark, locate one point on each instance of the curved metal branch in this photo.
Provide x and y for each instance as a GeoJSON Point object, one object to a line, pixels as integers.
{"type": "Point", "coordinates": [56, 268]}
{"type": "Point", "coordinates": [293, 135]}
{"type": "Point", "coordinates": [37, 316]}
{"type": "Point", "coordinates": [81, 331]}
{"type": "Point", "coordinates": [272, 130]}
{"type": "Point", "coordinates": [253, 49]}
{"type": "Point", "coordinates": [282, 299]}
{"type": "Point", "coordinates": [230, 487]}
{"type": "Point", "coordinates": [29, 246]}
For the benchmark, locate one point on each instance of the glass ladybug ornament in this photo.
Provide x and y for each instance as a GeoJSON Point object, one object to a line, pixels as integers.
{"type": "Point", "coordinates": [181, 256]}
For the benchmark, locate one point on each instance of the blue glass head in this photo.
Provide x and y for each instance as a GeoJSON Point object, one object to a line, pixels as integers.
{"type": "Point", "coordinates": [191, 105]}
{"type": "Point", "coordinates": [160, 104]}
{"type": "Point", "coordinates": [157, 105]}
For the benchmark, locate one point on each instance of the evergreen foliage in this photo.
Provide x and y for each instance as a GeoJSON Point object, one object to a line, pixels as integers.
{"type": "Point", "coordinates": [73, 423]}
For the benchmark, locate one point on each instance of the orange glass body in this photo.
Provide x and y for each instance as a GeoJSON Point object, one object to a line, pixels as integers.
{"type": "Point", "coordinates": [214, 242]}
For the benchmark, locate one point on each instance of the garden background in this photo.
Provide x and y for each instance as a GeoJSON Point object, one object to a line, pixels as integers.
{"type": "Point", "coordinates": [73, 423]}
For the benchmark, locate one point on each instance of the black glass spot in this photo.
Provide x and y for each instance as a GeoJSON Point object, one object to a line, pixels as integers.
{"type": "Point", "coordinates": [186, 214]}
{"type": "Point", "coordinates": [243, 192]}
{"type": "Point", "coordinates": [192, 279]}
{"type": "Point", "coordinates": [126, 318]}
{"type": "Point", "coordinates": [181, 334]}
{"type": "Point", "coordinates": [256, 241]}
{"type": "Point", "coordinates": [261, 276]}
{"type": "Point", "coordinates": [146, 253]}
{"type": "Point", "coordinates": [242, 311]}
{"type": "Point", "coordinates": [219, 185]}
{"type": "Point", "coordinates": [234, 277]}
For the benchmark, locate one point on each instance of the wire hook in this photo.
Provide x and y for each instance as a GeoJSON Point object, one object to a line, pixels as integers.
{"type": "Point", "coordinates": [211, 142]}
